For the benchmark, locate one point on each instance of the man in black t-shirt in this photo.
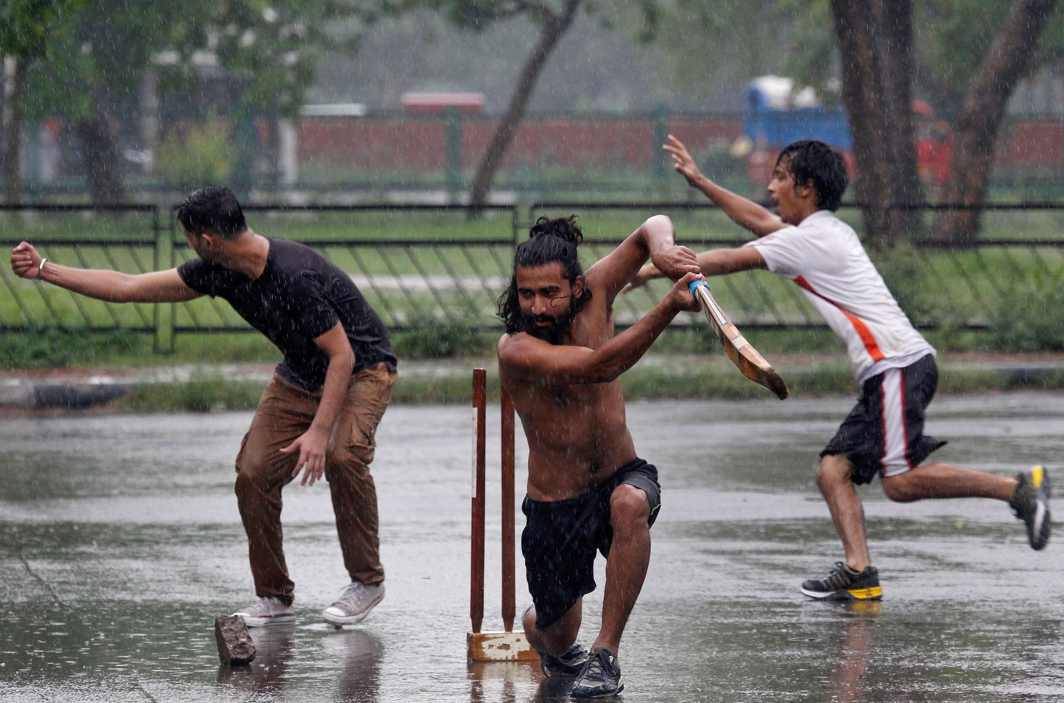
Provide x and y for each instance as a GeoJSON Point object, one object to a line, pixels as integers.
{"type": "Point", "coordinates": [319, 413]}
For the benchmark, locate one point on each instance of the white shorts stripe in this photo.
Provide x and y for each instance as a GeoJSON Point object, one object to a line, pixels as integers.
{"type": "Point", "coordinates": [895, 439]}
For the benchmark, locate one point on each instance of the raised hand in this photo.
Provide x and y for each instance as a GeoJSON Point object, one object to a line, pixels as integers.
{"type": "Point", "coordinates": [682, 161]}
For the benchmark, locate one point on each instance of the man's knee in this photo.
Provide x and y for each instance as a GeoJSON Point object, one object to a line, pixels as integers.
{"type": "Point", "coordinates": [349, 465]}
{"type": "Point", "coordinates": [528, 620]}
{"type": "Point", "coordinates": [899, 488]}
{"type": "Point", "coordinates": [359, 456]}
{"type": "Point", "coordinates": [834, 469]}
{"type": "Point", "coordinates": [629, 507]}
{"type": "Point", "coordinates": [249, 486]}
{"type": "Point", "coordinates": [256, 475]}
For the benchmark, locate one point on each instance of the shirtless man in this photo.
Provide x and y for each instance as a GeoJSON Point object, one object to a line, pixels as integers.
{"type": "Point", "coordinates": [587, 489]}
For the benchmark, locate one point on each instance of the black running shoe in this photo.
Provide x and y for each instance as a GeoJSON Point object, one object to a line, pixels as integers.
{"type": "Point", "coordinates": [1030, 503]}
{"type": "Point", "coordinates": [601, 676]}
{"type": "Point", "coordinates": [843, 583]}
{"type": "Point", "coordinates": [570, 663]}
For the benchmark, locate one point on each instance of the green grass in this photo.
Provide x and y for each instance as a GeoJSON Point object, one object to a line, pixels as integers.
{"type": "Point", "coordinates": [711, 379]}
{"type": "Point", "coordinates": [52, 348]}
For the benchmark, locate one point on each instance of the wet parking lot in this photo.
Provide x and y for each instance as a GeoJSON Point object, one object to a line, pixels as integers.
{"type": "Point", "coordinates": [120, 542]}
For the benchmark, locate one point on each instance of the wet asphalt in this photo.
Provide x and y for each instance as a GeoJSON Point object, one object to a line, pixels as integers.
{"type": "Point", "coordinates": [120, 542]}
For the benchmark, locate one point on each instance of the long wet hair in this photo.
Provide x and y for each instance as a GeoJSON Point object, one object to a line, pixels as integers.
{"type": "Point", "coordinates": [548, 241]}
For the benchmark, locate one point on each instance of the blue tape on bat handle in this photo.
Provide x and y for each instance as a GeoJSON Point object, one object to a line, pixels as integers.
{"type": "Point", "coordinates": [693, 285]}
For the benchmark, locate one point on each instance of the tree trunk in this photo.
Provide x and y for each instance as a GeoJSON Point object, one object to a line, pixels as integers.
{"type": "Point", "coordinates": [3, 110]}
{"type": "Point", "coordinates": [1008, 61]}
{"type": "Point", "coordinates": [13, 136]}
{"type": "Point", "coordinates": [554, 27]}
{"type": "Point", "coordinates": [100, 156]}
{"type": "Point", "coordinates": [875, 39]}
{"type": "Point", "coordinates": [897, 47]}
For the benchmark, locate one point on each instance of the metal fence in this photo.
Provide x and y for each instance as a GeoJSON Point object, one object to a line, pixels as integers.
{"type": "Point", "coordinates": [423, 267]}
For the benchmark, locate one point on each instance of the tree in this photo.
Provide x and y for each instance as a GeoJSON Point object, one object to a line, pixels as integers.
{"type": "Point", "coordinates": [553, 22]}
{"type": "Point", "coordinates": [965, 56]}
{"type": "Point", "coordinates": [272, 50]}
{"type": "Point", "coordinates": [92, 76]}
{"type": "Point", "coordinates": [24, 32]}
{"type": "Point", "coordinates": [875, 39]}
{"type": "Point", "coordinates": [1010, 58]}
{"type": "Point", "coordinates": [269, 48]}
{"type": "Point", "coordinates": [553, 19]}
{"type": "Point", "coordinates": [999, 39]}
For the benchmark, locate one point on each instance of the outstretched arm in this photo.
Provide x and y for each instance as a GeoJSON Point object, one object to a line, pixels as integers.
{"type": "Point", "coordinates": [654, 239]}
{"type": "Point", "coordinates": [743, 211]}
{"type": "Point", "coordinates": [102, 284]}
{"type": "Point", "coordinates": [524, 356]}
{"type": "Point", "coordinates": [714, 262]}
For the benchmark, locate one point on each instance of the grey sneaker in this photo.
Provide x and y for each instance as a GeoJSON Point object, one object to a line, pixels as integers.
{"type": "Point", "coordinates": [601, 676]}
{"type": "Point", "coordinates": [1030, 503]}
{"type": "Point", "coordinates": [354, 604]}
{"type": "Point", "coordinates": [843, 583]}
{"type": "Point", "coordinates": [266, 611]}
{"type": "Point", "coordinates": [569, 663]}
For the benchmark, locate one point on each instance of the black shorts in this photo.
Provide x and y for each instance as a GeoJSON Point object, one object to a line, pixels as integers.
{"type": "Point", "coordinates": [884, 433]}
{"type": "Point", "coordinates": [561, 537]}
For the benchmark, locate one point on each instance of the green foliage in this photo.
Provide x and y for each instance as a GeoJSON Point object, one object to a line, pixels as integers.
{"type": "Point", "coordinates": [198, 155]}
{"type": "Point", "coordinates": [1028, 320]}
{"type": "Point", "coordinates": [26, 25]}
{"type": "Point", "coordinates": [905, 272]}
{"type": "Point", "coordinates": [786, 37]}
{"type": "Point", "coordinates": [273, 47]}
{"type": "Point", "coordinates": [952, 38]}
{"type": "Point", "coordinates": [796, 38]}
{"type": "Point", "coordinates": [100, 51]}
{"type": "Point", "coordinates": [55, 348]}
{"type": "Point", "coordinates": [436, 339]}
{"type": "Point", "coordinates": [208, 394]}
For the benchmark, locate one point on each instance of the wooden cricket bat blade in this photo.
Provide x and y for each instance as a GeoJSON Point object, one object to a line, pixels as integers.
{"type": "Point", "coordinates": [746, 358]}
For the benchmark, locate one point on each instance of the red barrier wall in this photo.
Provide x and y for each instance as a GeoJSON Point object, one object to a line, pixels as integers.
{"type": "Point", "coordinates": [398, 142]}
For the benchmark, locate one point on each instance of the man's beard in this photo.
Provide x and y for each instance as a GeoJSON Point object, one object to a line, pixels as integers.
{"type": "Point", "coordinates": [553, 333]}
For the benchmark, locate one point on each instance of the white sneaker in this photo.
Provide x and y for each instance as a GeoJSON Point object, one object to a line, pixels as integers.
{"type": "Point", "coordinates": [354, 604]}
{"type": "Point", "coordinates": [266, 611]}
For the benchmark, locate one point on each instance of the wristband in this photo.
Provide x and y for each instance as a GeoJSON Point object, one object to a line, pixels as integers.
{"type": "Point", "coordinates": [40, 267]}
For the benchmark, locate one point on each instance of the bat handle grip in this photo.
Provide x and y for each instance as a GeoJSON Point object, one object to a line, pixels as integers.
{"type": "Point", "coordinates": [695, 284]}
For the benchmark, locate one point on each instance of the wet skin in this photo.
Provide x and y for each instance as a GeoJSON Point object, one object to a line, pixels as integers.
{"type": "Point", "coordinates": [577, 433]}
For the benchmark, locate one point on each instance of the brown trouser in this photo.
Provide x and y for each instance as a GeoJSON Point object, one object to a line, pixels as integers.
{"type": "Point", "coordinates": [285, 412]}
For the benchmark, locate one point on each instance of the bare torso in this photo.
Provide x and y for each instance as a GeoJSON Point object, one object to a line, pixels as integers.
{"type": "Point", "coordinates": [577, 434]}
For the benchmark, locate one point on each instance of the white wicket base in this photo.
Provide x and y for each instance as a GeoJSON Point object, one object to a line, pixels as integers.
{"type": "Point", "coordinates": [499, 647]}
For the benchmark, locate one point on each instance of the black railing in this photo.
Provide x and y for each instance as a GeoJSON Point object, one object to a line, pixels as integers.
{"type": "Point", "coordinates": [426, 266]}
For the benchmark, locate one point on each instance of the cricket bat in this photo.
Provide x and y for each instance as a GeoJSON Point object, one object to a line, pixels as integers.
{"type": "Point", "coordinates": [747, 359]}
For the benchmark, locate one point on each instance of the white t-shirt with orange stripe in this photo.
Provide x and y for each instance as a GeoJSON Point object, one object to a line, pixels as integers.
{"type": "Point", "coordinates": [824, 256]}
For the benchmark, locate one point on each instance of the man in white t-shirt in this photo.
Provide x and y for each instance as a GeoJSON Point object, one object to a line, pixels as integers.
{"type": "Point", "coordinates": [892, 362]}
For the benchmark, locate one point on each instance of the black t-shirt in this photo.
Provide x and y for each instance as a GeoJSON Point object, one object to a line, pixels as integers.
{"type": "Point", "coordinates": [298, 297]}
